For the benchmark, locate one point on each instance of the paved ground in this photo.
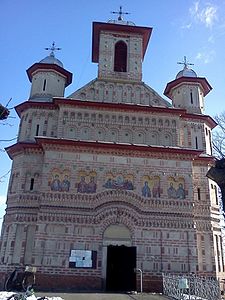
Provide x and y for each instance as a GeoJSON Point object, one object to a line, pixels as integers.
{"type": "Point", "coordinates": [103, 296]}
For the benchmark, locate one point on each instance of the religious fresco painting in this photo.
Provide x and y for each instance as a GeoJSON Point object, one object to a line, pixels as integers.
{"type": "Point", "coordinates": [59, 180]}
{"type": "Point", "coordinates": [119, 181]}
{"type": "Point", "coordinates": [150, 186]}
{"type": "Point", "coordinates": [175, 188]}
{"type": "Point", "coordinates": [86, 182]}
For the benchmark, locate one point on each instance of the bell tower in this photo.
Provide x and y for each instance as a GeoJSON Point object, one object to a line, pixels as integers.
{"type": "Point", "coordinates": [119, 48]}
{"type": "Point", "coordinates": [48, 78]}
{"type": "Point", "coordinates": [188, 90]}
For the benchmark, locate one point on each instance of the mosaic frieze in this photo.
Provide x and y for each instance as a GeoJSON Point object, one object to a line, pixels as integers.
{"type": "Point", "coordinates": [175, 188]}
{"type": "Point", "coordinates": [151, 186]}
{"type": "Point", "coordinates": [119, 181]}
{"type": "Point", "coordinates": [86, 182]}
{"type": "Point", "coordinates": [59, 180]}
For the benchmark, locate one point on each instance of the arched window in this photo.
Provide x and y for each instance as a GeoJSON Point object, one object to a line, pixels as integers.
{"type": "Point", "coordinates": [120, 58]}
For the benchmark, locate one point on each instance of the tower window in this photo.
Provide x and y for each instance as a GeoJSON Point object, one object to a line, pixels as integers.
{"type": "Point", "coordinates": [120, 58]}
{"type": "Point", "coordinates": [31, 184]}
{"type": "Point", "coordinates": [216, 195]}
{"type": "Point", "coordinates": [44, 85]}
{"type": "Point", "coordinates": [196, 142]}
{"type": "Point", "coordinates": [199, 193]}
{"type": "Point", "coordinates": [37, 129]}
{"type": "Point", "coordinates": [210, 142]}
{"type": "Point", "coordinates": [191, 97]}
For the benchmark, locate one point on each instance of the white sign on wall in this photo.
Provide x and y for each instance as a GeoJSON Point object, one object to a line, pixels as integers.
{"type": "Point", "coordinates": [81, 259]}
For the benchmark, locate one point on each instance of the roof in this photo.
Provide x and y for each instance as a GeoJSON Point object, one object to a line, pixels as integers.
{"type": "Point", "coordinates": [49, 66]}
{"type": "Point", "coordinates": [98, 27]}
{"type": "Point", "coordinates": [51, 59]}
{"type": "Point", "coordinates": [206, 87]}
{"type": "Point", "coordinates": [186, 72]}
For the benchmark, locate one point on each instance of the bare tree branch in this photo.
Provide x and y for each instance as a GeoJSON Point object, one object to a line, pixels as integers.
{"type": "Point", "coordinates": [219, 137]}
{"type": "Point", "coordinates": [4, 176]}
{"type": "Point", "coordinates": [4, 111]}
{"type": "Point", "coordinates": [8, 140]}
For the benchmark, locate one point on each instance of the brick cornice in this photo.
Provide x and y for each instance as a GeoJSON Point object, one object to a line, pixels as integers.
{"type": "Point", "coordinates": [133, 108]}
{"type": "Point", "coordinates": [117, 149]}
{"type": "Point", "coordinates": [121, 148]}
{"type": "Point", "coordinates": [23, 148]}
{"type": "Point", "coordinates": [34, 104]}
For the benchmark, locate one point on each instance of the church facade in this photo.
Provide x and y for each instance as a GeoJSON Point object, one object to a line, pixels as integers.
{"type": "Point", "coordinates": [111, 181]}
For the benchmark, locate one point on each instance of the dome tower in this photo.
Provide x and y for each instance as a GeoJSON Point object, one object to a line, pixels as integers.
{"type": "Point", "coordinates": [188, 90]}
{"type": "Point", "coordinates": [48, 78]}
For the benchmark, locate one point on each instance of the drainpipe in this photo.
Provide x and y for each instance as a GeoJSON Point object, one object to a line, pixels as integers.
{"type": "Point", "coordinates": [141, 279]}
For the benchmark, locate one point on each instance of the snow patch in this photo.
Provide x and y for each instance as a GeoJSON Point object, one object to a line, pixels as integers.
{"type": "Point", "coordinates": [6, 295]}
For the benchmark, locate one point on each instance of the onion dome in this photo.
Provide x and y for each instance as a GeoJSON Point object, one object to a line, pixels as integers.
{"type": "Point", "coordinates": [51, 59]}
{"type": "Point", "coordinates": [187, 76]}
{"type": "Point", "coordinates": [186, 72]}
{"type": "Point", "coordinates": [50, 64]}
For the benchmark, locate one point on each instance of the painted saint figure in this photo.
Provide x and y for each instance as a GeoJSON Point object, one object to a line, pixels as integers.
{"type": "Point", "coordinates": [56, 184]}
{"type": "Point", "coordinates": [65, 185]}
{"type": "Point", "coordinates": [171, 191]}
{"type": "Point", "coordinates": [128, 185]}
{"type": "Point", "coordinates": [92, 186]}
{"type": "Point", "coordinates": [146, 192]}
{"type": "Point", "coordinates": [180, 192]}
{"type": "Point", "coordinates": [82, 186]}
{"type": "Point", "coordinates": [108, 184]}
{"type": "Point", "coordinates": [156, 190]}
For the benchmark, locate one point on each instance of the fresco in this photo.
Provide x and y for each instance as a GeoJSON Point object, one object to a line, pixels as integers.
{"type": "Point", "coordinates": [175, 188]}
{"type": "Point", "coordinates": [59, 180]}
{"type": "Point", "coordinates": [119, 181]}
{"type": "Point", "coordinates": [86, 182]}
{"type": "Point", "coordinates": [150, 186]}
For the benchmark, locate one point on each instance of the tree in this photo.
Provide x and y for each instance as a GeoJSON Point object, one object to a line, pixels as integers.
{"type": "Point", "coordinates": [4, 112]}
{"type": "Point", "coordinates": [219, 137]}
{"type": "Point", "coordinates": [217, 173]}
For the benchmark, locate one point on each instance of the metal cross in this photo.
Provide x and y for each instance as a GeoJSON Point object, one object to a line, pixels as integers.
{"type": "Point", "coordinates": [185, 63]}
{"type": "Point", "coordinates": [120, 13]}
{"type": "Point", "coordinates": [52, 49]}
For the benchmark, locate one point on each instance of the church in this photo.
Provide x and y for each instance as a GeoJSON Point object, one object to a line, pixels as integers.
{"type": "Point", "coordinates": [109, 183]}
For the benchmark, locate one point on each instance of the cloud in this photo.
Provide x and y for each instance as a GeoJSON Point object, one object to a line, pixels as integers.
{"type": "Point", "coordinates": [187, 26]}
{"type": "Point", "coordinates": [205, 57]}
{"type": "Point", "coordinates": [211, 39]}
{"type": "Point", "coordinates": [206, 15]}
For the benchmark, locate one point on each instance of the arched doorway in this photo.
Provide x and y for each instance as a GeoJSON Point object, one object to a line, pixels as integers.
{"type": "Point", "coordinates": [119, 259]}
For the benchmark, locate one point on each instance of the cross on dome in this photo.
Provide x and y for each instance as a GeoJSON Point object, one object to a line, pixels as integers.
{"type": "Point", "coordinates": [120, 13]}
{"type": "Point", "coordinates": [186, 71]}
{"type": "Point", "coordinates": [53, 49]}
{"type": "Point", "coordinates": [185, 63]}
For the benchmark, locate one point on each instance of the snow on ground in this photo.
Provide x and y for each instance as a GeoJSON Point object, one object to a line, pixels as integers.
{"type": "Point", "coordinates": [6, 295]}
{"type": "Point", "coordinates": [191, 297]}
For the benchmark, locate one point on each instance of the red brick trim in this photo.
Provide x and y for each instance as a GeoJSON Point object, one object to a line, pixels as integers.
{"type": "Point", "coordinates": [57, 68]}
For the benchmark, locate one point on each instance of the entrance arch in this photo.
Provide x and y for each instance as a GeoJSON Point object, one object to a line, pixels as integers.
{"type": "Point", "coordinates": [117, 235]}
{"type": "Point", "coordinates": [119, 259]}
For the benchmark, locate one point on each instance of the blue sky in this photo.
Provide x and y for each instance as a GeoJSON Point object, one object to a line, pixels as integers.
{"type": "Point", "coordinates": [195, 29]}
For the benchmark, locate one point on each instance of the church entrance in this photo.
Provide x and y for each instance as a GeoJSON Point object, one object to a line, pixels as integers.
{"type": "Point", "coordinates": [120, 272]}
